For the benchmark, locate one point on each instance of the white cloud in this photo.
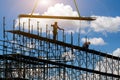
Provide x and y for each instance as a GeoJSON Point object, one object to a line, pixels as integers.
{"type": "Point", "coordinates": [57, 10]}
{"type": "Point", "coordinates": [102, 24]}
{"type": "Point", "coordinates": [95, 41]}
{"type": "Point", "coordinates": [116, 52]}
{"type": "Point", "coordinates": [61, 9]}
{"type": "Point", "coordinates": [106, 24]}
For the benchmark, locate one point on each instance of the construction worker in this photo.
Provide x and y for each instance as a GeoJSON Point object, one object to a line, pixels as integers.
{"type": "Point", "coordinates": [86, 45]}
{"type": "Point", "coordinates": [55, 27]}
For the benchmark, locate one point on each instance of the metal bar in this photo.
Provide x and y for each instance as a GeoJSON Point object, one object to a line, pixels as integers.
{"type": "Point", "coordinates": [57, 17]}
{"type": "Point", "coordinates": [62, 43]}
{"type": "Point", "coordinates": [61, 64]}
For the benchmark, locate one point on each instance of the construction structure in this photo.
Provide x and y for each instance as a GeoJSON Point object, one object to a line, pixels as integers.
{"type": "Point", "coordinates": [28, 55]}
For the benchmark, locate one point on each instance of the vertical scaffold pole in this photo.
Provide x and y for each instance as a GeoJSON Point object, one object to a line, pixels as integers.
{"type": "Point", "coordinates": [28, 25]}
{"type": "Point", "coordinates": [4, 47]}
{"type": "Point", "coordinates": [19, 24]}
{"type": "Point", "coordinates": [38, 29]}
{"type": "Point", "coordinates": [3, 27]}
{"type": "Point", "coordinates": [46, 30]}
{"type": "Point", "coordinates": [14, 42]}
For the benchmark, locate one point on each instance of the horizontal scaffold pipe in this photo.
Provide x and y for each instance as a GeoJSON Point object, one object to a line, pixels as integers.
{"type": "Point", "coordinates": [13, 79]}
{"type": "Point", "coordinates": [29, 35]}
{"type": "Point", "coordinates": [18, 58]}
{"type": "Point", "coordinates": [58, 64]}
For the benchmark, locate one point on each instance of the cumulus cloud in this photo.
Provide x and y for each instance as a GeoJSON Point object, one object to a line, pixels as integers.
{"type": "Point", "coordinates": [106, 24]}
{"type": "Point", "coordinates": [116, 52]}
{"type": "Point", "coordinates": [95, 41]}
{"type": "Point", "coordinates": [61, 9]}
{"type": "Point", "coordinates": [58, 9]}
{"type": "Point", "coordinates": [102, 24]}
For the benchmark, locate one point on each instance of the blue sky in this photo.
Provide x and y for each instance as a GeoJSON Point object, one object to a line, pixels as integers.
{"type": "Point", "coordinates": [105, 31]}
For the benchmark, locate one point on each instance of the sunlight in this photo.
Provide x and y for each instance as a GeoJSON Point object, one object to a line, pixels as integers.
{"type": "Point", "coordinates": [44, 2]}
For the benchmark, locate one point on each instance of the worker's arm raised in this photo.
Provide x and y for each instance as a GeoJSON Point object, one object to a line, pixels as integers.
{"type": "Point", "coordinates": [60, 28]}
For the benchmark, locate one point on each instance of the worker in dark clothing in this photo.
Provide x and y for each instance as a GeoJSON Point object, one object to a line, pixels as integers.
{"type": "Point", "coordinates": [55, 29]}
{"type": "Point", "coordinates": [86, 45]}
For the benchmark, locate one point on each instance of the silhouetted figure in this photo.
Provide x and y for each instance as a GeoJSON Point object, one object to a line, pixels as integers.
{"type": "Point", "coordinates": [55, 29]}
{"type": "Point", "coordinates": [86, 45]}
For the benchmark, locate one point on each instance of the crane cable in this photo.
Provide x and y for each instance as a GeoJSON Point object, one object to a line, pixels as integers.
{"type": "Point", "coordinates": [77, 7]}
{"type": "Point", "coordinates": [37, 3]}
{"type": "Point", "coordinates": [80, 21]}
{"type": "Point", "coordinates": [34, 7]}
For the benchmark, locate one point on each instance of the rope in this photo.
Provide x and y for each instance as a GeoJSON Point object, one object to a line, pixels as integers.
{"type": "Point", "coordinates": [34, 7]}
{"type": "Point", "coordinates": [80, 21]}
{"type": "Point", "coordinates": [77, 7]}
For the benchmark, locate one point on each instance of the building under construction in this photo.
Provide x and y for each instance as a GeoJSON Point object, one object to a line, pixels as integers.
{"type": "Point", "coordinates": [28, 55]}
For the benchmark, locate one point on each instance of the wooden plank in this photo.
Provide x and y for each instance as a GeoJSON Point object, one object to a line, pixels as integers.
{"type": "Point", "coordinates": [57, 17]}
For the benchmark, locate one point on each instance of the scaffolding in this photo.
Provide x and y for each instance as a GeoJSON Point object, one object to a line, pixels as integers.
{"type": "Point", "coordinates": [27, 55]}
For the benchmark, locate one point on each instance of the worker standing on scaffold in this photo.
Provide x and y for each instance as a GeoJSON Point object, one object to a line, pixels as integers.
{"type": "Point", "coordinates": [86, 45]}
{"type": "Point", "coordinates": [55, 29]}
